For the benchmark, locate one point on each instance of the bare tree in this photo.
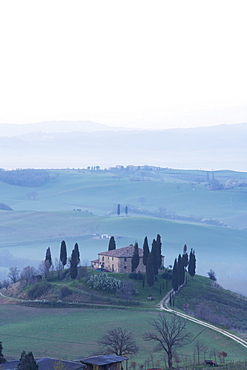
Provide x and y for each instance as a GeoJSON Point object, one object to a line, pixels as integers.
{"type": "Point", "coordinates": [118, 341]}
{"type": "Point", "coordinates": [169, 334]}
{"type": "Point", "coordinates": [14, 274]}
{"type": "Point", "coordinates": [28, 273]}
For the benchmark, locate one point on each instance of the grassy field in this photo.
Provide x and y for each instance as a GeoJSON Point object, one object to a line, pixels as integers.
{"type": "Point", "coordinates": [73, 333]}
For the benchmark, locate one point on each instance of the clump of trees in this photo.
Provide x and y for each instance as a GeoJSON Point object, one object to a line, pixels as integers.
{"type": "Point", "coordinates": [27, 362]}
{"type": "Point", "coordinates": [152, 259]}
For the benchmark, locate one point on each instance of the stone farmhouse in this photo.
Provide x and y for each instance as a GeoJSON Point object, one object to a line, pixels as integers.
{"type": "Point", "coordinates": [119, 260]}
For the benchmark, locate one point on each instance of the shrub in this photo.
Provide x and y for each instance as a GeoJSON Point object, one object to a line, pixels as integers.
{"type": "Point", "coordinates": [38, 289]}
{"type": "Point", "coordinates": [105, 283]}
{"type": "Point", "coordinates": [65, 292]}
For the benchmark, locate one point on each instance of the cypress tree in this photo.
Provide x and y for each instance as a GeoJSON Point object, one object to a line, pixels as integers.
{"type": "Point", "coordinates": [73, 265]}
{"type": "Point", "coordinates": [2, 358]}
{"type": "Point", "coordinates": [175, 275]}
{"type": "Point", "coordinates": [118, 210]}
{"type": "Point", "coordinates": [63, 253]}
{"type": "Point", "coordinates": [112, 244]}
{"type": "Point", "coordinates": [192, 263]}
{"type": "Point", "coordinates": [135, 258]}
{"type": "Point", "coordinates": [150, 271]}
{"type": "Point", "coordinates": [155, 257]}
{"type": "Point", "coordinates": [77, 253]}
{"type": "Point", "coordinates": [27, 362]}
{"type": "Point", "coordinates": [159, 254]}
{"type": "Point", "coordinates": [48, 259]}
{"type": "Point", "coordinates": [181, 274]}
{"type": "Point", "coordinates": [145, 251]}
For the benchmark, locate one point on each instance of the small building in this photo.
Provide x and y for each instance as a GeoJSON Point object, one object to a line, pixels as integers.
{"type": "Point", "coordinates": [119, 260]}
{"type": "Point", "coordinates": [105, 362]}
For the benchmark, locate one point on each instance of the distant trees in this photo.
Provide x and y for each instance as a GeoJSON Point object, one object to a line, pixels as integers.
{"type": "Point", "coordinates": [63, 253]}
{"type": "Point", "coordinates": [118, 210]}
{"type": "Point", "coordinates": [27, 362]}
{"type": "Point", "coordinates": [112, 244]}
{"type": "Point", "coordinates": [135, 258]}
{"type": "Point", "coordinates": [118, 341]}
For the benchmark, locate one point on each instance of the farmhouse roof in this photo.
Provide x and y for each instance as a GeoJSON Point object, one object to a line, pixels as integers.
{"type": "Point", "coordinates": [123, 252]}
{"type": "Point", "coordinates": [46, 363]}
{"type": "Point", "coordinates": [103, 360]}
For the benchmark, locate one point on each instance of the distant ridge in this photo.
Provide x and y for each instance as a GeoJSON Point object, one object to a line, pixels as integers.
{"type": "Point", "coordinates": [52, 127]}
{"type": "Point", "coordinates": [83, 143]}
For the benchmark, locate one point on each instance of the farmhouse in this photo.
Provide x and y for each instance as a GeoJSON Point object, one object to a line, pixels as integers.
{"type": "Point", "coordinates": [119, 260]}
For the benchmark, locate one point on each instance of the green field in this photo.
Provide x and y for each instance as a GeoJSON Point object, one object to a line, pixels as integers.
{"type": "Point", "coordinates": [181, 206]}
{"type": "Point", "coordinates": [73, 333]}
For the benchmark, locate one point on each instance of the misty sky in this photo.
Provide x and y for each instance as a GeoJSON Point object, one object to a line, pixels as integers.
{"type": "Point", "coordinates": [125, 63]}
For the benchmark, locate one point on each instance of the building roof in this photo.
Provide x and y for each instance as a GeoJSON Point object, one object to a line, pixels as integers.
{"type": "Point", "coordinates": [45, 363]}
{"type": "Point", "coordinates": [123, 252]}
{"type": "Point", "coordinates": [103, 360]}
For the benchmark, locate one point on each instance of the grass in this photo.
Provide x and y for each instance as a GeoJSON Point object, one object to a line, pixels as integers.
{"type": "Point", "coordinates": [73, 332]}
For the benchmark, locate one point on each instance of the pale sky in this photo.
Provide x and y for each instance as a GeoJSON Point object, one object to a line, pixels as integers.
{"type": "Point", "coordinates": [147, 64]}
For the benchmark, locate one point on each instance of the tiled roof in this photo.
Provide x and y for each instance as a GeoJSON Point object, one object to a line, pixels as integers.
{"type": "Point", "coordinates": [46, 363]}
{"type": "Point", "coordinates": [123, 252]}
{"type": "Point", "coordinates": [103, 360]}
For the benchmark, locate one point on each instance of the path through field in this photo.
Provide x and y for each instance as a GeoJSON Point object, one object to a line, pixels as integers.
{"type": "Point", "coordinates": [163, 305]}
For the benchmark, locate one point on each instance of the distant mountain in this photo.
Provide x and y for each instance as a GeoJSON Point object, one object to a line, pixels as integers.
{"type": "Point", "coordinates": [81, 144]}
{"type": "Point", "coordinates": [52, 127]}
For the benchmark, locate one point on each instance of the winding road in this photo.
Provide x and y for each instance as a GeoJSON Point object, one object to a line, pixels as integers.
{"type": "Point", "coordinates": [163, 305]}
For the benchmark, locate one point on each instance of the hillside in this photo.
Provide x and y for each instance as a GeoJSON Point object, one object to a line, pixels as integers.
{"type": "Point", "coordinates": [80, 205]}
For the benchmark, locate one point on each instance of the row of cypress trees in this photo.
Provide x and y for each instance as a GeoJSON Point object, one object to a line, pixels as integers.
{"type": "Point", "coordinates": [74, 260]}
{"type": "Point", "coordinates": [180, 265]}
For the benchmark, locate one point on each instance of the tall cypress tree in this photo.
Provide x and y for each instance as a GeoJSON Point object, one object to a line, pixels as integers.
{"type": "Point", "coordinates": [192, 263]}
{"type": "Point", "coordinates": [63, 253]}
{"type": "Point", "coordinates": [145, 251]}
{"type": "Point", "coordinates": [150, 271]}
{"type": "Point", "coordinates": [112, 244]}
{"type": "Point", "coordinates": [27, 362]}
{"type": "Point", "coordinates": [181, 274]}
{"type": "Point", "coordinates": [48, 259]}
{"type": "Point", "coordinates": [73, 265]}
{"type": "Point", "coordinates": [118, 210]}
{"type": "Point", "coordinates": [77, 253]}
{"type": "Point", "coordinates": [175, 275]}
{"type": "Point", "coordinates": [135, 258]}
{"type": "Point", "coordinates": [155, 257]}
{"type": "Point", "coordinates": [159, 254]}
